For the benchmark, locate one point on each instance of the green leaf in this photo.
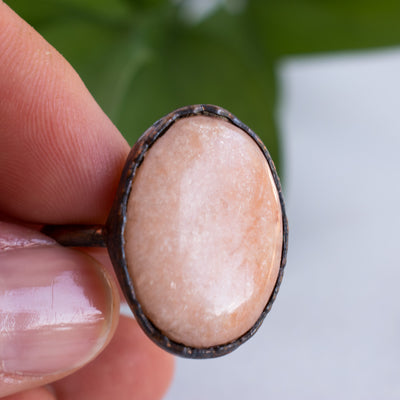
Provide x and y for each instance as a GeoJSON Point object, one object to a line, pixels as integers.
{"type": "Point", "coordinates": [205, 64]}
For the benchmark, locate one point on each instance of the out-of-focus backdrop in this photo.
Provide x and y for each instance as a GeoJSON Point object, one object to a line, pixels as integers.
{"type": "Point", "coordinates": [326, 73]}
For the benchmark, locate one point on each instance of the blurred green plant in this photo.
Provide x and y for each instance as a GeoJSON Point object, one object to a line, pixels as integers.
{"type": "Point", "coordinates": [143, 58]}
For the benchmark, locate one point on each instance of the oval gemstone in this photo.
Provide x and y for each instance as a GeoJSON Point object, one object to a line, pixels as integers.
{"type": "Point", "coordinates": [203, 237]}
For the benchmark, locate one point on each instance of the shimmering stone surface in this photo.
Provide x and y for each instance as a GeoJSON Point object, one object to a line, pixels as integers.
{"type": "Point", "coordinates": [204, 232]}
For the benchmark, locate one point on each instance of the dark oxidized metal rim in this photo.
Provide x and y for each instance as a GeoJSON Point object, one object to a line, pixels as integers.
{"type": "Point", "coordinates": [115, 229]}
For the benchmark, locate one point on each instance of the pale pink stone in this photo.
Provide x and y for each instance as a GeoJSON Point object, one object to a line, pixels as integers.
{"type": "Point", "coordinates": [204, 232]}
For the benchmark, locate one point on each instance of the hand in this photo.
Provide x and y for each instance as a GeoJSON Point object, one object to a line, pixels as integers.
{"type": "Point", "coordinates": [60, 160]}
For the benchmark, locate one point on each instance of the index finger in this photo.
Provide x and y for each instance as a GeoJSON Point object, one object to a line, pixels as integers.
{"type": "Point", "coordinates": [60, 156]}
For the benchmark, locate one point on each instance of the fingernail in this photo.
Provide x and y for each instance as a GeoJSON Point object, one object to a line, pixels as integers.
{"type": "Point", "coordinates": [56, 310]}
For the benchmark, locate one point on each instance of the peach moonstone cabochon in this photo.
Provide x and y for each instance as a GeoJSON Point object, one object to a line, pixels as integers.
{"type": "Point", "coordinates": [204, 232]}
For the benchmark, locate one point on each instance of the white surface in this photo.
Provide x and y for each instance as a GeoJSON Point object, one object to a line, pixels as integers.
{"type": "Point", "coordinates": [334, 330]}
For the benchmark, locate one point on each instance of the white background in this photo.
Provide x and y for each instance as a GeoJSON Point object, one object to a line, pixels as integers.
{"type": "Point", "coordinates": [334, 330]}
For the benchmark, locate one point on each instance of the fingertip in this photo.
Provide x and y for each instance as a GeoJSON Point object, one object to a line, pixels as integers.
{"type": "Point", "coordinates": [60, 308]}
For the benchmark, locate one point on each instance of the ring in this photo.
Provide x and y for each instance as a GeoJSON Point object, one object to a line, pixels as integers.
{"type": "Point", "coordinates": [197, 233]}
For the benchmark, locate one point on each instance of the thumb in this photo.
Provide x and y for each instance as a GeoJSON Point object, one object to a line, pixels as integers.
{"type": "Point", "coordinates": [58, 309]}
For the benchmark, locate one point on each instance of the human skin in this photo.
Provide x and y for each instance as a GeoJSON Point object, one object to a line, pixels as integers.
{"type": "Point", "coordinates": [60, 161]}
